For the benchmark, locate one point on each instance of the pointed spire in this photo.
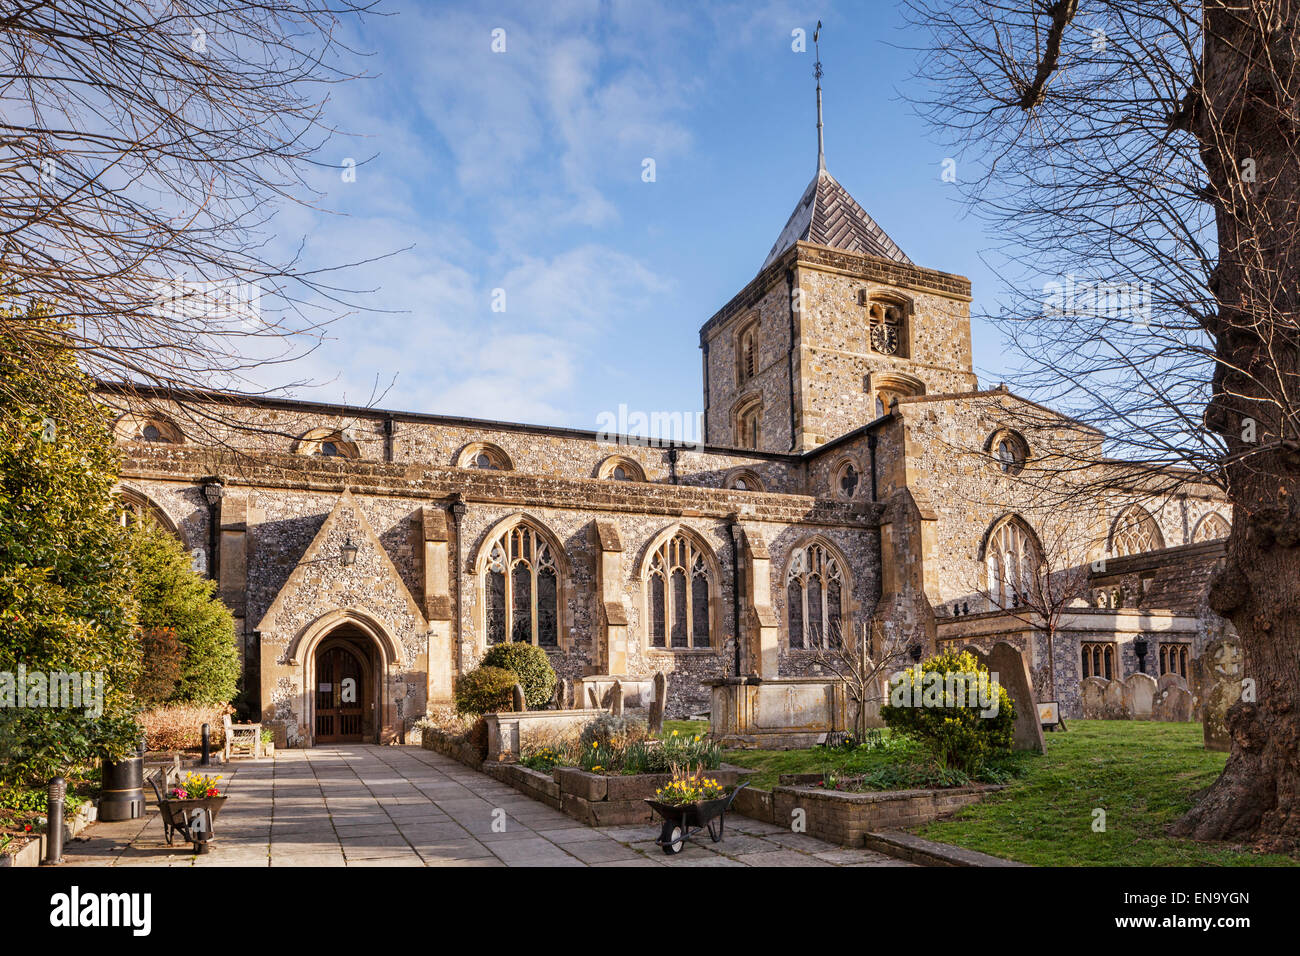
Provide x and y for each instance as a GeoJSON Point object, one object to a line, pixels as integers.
{"type": "Point", "coordinates": [817, 72]}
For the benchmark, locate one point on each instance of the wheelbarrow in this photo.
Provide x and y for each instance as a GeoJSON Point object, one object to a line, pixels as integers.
{"type": "Point", "coordinates": [192, 819]}
{"type": "Point", "coordinates": [681, 820]}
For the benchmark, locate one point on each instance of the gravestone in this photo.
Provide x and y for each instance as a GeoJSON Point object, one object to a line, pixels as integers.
{"type": "Point", "coordinates": [1173, 699]}
{"type": "Point", "coordinates": [1013, 674]}
{"type": "Point", "coordinates": [562, 694]}
{"type": "Point", "coordinates": [1093, 694]}
{"type": "Point", "coordinates": [1222, 669]}
{"type": "Point", "coordinates": [657, 705]}
{"type": "Point", "coordinates": [1115, 701]}
{"type": "Point", "coordinates": [518, 701]}
{"type": "Point", "coordinates": [616, 699]}
{"type": "Point", "coordinates": [1140, 691]}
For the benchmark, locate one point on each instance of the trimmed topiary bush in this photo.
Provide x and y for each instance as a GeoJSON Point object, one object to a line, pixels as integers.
{"type": "Point", "coordinates": [484, 690]}
{"type": "Point", "coordinates": [530, 665]}
{"type": "Point", "coordinates": [951, 706]}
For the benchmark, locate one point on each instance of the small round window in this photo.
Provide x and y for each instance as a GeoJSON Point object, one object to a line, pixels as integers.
{"type": "Point", "coordinates": [846, 480]}
{"type": "Point", "coordinates": [1009, 452]}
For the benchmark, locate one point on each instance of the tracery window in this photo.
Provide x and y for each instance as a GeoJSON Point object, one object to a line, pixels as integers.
{"type": "Point", "coordinates": [1212, 527]}
{"type": "Point", "coordinates": [814, 589]}
{"type": "Point", "coordinates": [485, 457]}
{"type": "Point", "coordinates": [1011, 560]}
{"type": "Point", "coordinates": [521, 589]}
{"type": "Point", "coordinates": [744, 481]}
{"type": "Point", "coordinates": [1175, 658]}
{"type": "Point", "coordinates": [619, 468]}
{"type": "Point", "coordinates": [1098, 660]}
{"type": "Point", "coordinates": [1009, 451]}
{"type": "Point", "coordinates": [1135, 532]}
{"type": "Point", "coordinates": [328, 443]}
{"type": "Point", "coordinates": [156, 429]}
{"type": "Point", "coordinates": [846, 481]}
{"type": "Point", "coordinates": [678, 588]}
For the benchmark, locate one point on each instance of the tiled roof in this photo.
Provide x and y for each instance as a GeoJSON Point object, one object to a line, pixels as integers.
{"type": "Point", "coordinates": [828, 216]}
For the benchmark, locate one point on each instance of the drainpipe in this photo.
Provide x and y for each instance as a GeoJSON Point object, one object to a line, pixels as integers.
{"type": "Point", "coordinates": [390, 427]}
{"type": "Point", "coordinates": [789, 288]}
{"type": "Point", "coordinates": [871, 447]}
{"type": "Point", "coordinates": [457, 512]}
{"type": "Point", "coordinates": [734, 527]}
{"type": "Point", "coordinates": [213, 489]}
{"type": "Point", "coordinates": [705, 437]}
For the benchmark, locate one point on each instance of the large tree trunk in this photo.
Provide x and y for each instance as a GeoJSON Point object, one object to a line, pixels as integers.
{"type": "Point", "coordinates": [1245, 112]}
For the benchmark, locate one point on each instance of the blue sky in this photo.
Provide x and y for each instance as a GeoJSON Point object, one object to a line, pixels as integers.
{"type": "Point", "coordinates": [522, 171]}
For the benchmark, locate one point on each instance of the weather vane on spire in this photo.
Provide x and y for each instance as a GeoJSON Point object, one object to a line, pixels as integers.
{"type": "Point", "coordinates": [817, 72]}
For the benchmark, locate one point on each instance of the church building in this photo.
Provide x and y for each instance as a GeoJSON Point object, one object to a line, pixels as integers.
{"type": "Point", "coordinates": [852, 472]}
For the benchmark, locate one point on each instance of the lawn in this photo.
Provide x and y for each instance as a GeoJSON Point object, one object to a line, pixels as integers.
{"type": "Point", "coordinates": [770, 764]}
{"type": "Point", "coordinates": [685, 728]}
{"type": "Point", "coordinates": [1143, 774]}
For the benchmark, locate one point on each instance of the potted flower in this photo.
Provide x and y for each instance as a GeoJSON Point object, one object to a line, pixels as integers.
{"type": "Point", "coordinates": [268, 742]}
{"type": "Point", "coordinates": [690, 801]}
{"type": "Point", "coordinates": [191, 807]}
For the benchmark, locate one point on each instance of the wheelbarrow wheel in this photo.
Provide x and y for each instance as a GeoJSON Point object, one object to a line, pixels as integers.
{"type": "Point", "coordinates": [672, 839]}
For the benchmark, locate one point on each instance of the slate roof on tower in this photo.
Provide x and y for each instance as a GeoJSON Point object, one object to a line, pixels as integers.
{"type": "Point", "coordinates": [828, 216]}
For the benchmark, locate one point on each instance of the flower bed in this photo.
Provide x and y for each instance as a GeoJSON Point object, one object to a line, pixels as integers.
{"type": "Point", "coordinates": [29, 850]}
{"type": "Point", "coordinates": [598, 799]}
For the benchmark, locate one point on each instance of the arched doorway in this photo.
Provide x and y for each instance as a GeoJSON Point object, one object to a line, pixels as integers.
{"type": "Point", "coordinates": [345, 691]}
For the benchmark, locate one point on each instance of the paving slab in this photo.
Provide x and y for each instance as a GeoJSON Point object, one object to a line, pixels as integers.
{"type": "Point", "coordinates": [364, 805]}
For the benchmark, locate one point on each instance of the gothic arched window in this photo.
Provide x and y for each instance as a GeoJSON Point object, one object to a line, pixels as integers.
{"type": "Point", "coordinates": [1012, 560]}
{"type": "Point", "coordinates": [1135, 532]}
{"type": "Point", "coordinates": [521, 588]}
{"type": "Point", "coordinates": [1212, 527]}
{"type": "Point", "coordinates": [814, 588]}
{"type": "Point", "coordinates": [679, 587]}
{"type": "Point", "coordinates": [1098, 660]}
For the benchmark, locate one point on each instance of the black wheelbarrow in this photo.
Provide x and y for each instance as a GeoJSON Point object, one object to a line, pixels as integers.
{"type": "Point", "coordinates": [681, 820]}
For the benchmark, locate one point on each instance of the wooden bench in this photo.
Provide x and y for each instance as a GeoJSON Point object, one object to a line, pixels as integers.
{"type": "Point", "coordinates": [242, 738]}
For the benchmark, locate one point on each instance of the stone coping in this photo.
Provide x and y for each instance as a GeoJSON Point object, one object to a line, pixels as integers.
{"type": "Point", "coordinates": [847, 818]}
{"type": "Point", "coordinates": [915, 849]}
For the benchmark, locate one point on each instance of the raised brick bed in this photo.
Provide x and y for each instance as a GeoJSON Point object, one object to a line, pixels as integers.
{"type": "Point", "coordinates": [847, 818]}
{"type": "Point", "coordinates": [534, 783]}
{"type": "Point", "coordinates": [593, 798]}
{"type": "Point", "coordinates": [455, 746]}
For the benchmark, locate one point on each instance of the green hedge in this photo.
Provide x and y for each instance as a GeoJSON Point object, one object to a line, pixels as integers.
{"type": "Point", "coordinates": [531, 666]}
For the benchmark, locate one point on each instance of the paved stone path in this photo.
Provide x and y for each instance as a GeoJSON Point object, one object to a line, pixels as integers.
{"type": "Point", "coordinates": [362, 805]}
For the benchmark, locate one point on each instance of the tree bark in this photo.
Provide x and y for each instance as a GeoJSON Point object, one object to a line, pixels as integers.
{"type": "Point", "coordinates": [1244, 115]}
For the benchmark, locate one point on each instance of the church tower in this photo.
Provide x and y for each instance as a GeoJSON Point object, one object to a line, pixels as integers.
{"type": "Point", "coordinates": [837, 323]}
